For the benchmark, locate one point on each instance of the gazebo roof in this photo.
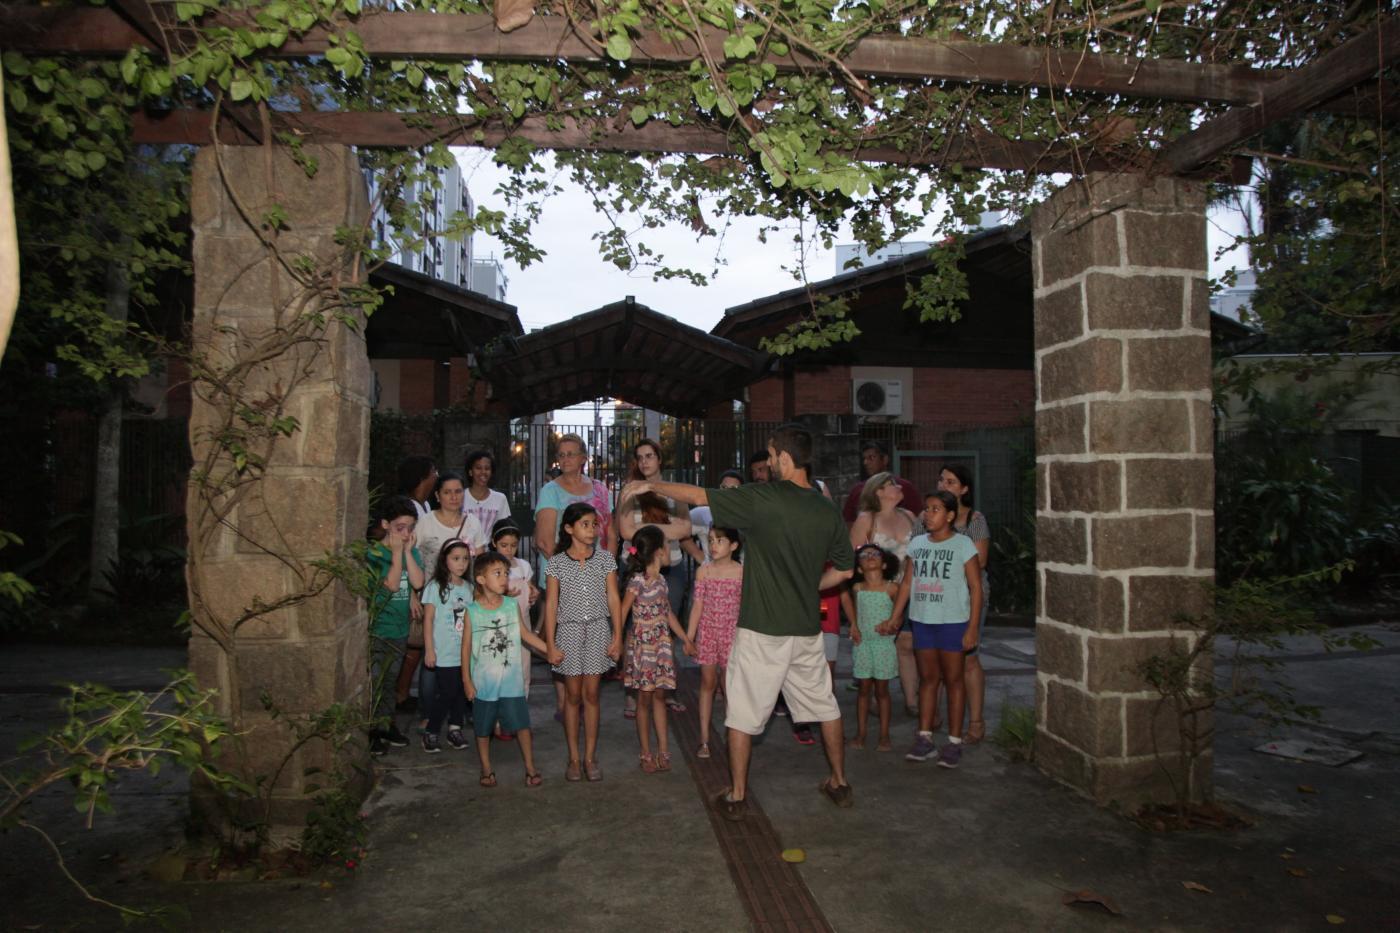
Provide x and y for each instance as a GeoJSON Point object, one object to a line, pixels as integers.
{"type": "Point", "coordinates": [427, 318]}
{"type": "Point", "coordinates": [622, 350]}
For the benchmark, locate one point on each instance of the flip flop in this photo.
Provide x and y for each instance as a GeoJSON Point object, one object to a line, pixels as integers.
{"type": "Point", "coordinates": [663, 761]}
{"type": "Point", "coordinates": [488, 779]}
{"type": "Point", "coordinates": [533, 779]}
{"type": "Point", "coordinates": [675, 706]}
{"type": "Point", "coordinates": [629, 713]}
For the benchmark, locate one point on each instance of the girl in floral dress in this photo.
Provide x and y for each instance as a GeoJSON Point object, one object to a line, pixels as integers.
{"type": "Point", "coordinates": [714, 614]}
{"type": "Point", "coordinates": [649, 667]}
{"type": "Point", "coordinates": [869, 604]}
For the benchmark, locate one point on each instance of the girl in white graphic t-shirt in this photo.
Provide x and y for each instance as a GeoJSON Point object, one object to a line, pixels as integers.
{"type": "Point", "coordinates": [942, 587]}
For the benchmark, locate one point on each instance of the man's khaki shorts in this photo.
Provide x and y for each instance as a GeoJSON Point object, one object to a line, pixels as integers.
{"type": "Point", "coordinates": [761, 666]}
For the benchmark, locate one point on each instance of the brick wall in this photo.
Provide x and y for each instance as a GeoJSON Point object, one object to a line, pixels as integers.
{"type": "Point", "coordinates": [971, 396]}
{"type": "Point", "coordinates": [974, 396]}
{"type": "Point", "coordinates": [766, 399]}
{"type": "Point", "coordinates": [824, 391]}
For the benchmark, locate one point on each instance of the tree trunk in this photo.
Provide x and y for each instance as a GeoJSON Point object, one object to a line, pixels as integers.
{"type": "Point", "coordinates": [105, 499]}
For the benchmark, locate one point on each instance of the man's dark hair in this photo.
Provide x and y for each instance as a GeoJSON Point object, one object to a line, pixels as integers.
{"type": "Point", "coordinates": [873, 444]}
{"type": "Point", "coordinates": [758, 456]}
{"type": "Point", "coordinates": [795, 441]}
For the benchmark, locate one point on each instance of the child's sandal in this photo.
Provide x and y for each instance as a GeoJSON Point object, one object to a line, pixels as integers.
{"type": "Point", "coordinates": [663, 761]}
{"type": "Point", "coordinates": [533, 779]}
{"type": "Point", "coordinates": [572, 772]}
{"type": "Point", "coordinates": [592, 771]}
{"type": "Point", "coordinates": [648, 764]}
{"type": "Point", "coordinates": [703, 751]}
{"type": "Point", "coordinates": [488, 779]}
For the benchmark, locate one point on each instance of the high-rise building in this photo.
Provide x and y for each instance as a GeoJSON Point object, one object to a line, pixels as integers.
{"type": "Point", "coordinates": [452, 261]}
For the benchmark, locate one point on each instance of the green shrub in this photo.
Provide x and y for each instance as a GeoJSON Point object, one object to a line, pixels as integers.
{"type": "Point", "coordinates": [1016, 731]}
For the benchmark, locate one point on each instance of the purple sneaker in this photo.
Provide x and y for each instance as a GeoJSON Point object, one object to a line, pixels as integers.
{"type": "Point", "coordinates": [923, 748]}
{"type": "Point", "coordinates": [950, 756]}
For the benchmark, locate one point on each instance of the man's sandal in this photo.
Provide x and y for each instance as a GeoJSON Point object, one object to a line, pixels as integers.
{"type": "Point", "coordinates": [732, 810]}
{"type": "Point", "coordinates": [841, 795]}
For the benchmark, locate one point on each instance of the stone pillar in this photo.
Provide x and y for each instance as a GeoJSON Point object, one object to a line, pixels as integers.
{"type": "Point", "coordinates": [1124, 471]}
{"type": "Point", "coordinates": [308, 653]}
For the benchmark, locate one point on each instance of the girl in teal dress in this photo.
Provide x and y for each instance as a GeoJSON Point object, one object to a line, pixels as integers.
{"type": "Point", "coordinates": [871, 603]}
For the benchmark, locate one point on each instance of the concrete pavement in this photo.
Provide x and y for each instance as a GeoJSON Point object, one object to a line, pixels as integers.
{"type": "Point", "coordinates": [993, 845]}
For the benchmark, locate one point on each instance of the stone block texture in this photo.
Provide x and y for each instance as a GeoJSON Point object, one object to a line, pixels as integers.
{"type": "Point", "coordinates": [300, 654]}
{"type": "Point", "coordinates": [1125, 471]}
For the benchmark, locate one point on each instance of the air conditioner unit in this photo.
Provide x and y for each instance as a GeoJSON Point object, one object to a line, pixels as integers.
{"type": "Point", "coordinates": [877, 396]}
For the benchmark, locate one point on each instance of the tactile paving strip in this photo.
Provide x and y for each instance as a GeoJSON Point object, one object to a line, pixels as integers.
{"type": "Point", "coordinates": [771, 890]}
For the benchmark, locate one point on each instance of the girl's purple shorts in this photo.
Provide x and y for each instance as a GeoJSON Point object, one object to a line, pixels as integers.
{"type": "Point", "coordinates": [945, 637]}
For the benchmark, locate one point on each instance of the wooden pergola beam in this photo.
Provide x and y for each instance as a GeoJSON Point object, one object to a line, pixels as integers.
{"type": "Point", "coordinates": [1339, 70]}
{"type": "Point", "coordinates": [463, 37]}
{"type": "Point", "coordinates": [394, 130]}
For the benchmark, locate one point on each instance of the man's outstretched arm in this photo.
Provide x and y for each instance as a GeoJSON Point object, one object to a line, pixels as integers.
{"type": "Point", "coordinates": [681, 492]}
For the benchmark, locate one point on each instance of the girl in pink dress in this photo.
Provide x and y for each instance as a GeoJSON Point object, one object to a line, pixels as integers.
{"type": "Point", "coordinates": [649, 666]}
{"type": "Point", "coordinates": [714, 614]}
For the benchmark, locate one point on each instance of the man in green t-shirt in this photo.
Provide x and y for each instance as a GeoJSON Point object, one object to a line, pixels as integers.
{"type": "Point", "coordinates": [791, 533]}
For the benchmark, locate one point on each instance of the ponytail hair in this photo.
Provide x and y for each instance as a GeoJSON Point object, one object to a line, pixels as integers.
{"type": "Point", "coordinates": [572, 514]}
{"type": "Point", "coordinates": [645, 543]}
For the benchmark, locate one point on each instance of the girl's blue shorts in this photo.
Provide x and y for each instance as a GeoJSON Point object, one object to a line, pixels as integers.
{"type": "Point", "coordinates": [945, 637]}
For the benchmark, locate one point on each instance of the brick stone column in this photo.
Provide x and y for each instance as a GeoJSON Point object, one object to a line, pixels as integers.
{"type": "Point", "coordinates": [312, 498]}
{"type": "Point", "coordinates": [1124, 471]}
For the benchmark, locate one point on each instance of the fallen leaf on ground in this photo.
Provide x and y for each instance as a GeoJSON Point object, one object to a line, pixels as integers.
{"type": "Point", "coordinates": [1336, 919]}
{"type": "Point", "coordinates": [1196, 886]}
{"type": "Point", "coordinates": [1089, 897]}
{"type": "Point", "coordinates": [327, 885]}
{"type": "Point", "coordinates": [1298, 872]}
{"type": "Point", "coordinates": [795, 856]}
{"type": "Point", "coordinates": [1306, 789]}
